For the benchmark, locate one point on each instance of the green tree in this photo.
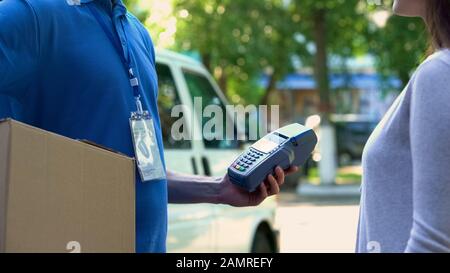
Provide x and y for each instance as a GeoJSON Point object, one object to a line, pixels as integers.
{"type": "Point", "coordinates": [399, 44]}
{"type": "Point", "coordinates": [237, 41]}
{"type": "Point", "coordinates": [335, 27]}
{"type": "Point", "coordinates": [399, 47]}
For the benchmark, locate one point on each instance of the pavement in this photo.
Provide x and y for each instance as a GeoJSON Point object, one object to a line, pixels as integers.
{"type": "Point", "coordinates": [317, 223]}
{"type": "Point", "coordinates": [329, 191]}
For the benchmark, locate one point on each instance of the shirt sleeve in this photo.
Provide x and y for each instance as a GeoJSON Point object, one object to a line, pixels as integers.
{"type": "Point", "coordinates": [19, 47]}
{"type": "Point", "coordinates": [430, 147]}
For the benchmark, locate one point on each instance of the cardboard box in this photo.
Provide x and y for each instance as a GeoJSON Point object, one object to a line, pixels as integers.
{"type": "Point", "coordinates": [62, 195]}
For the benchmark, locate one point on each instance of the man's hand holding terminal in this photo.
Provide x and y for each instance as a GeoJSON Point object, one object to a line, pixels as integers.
{"type": "Point", "coordinates": [186, 189]}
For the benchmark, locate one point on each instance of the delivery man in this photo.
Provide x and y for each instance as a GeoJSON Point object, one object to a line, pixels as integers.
{"type": "Point", "coordinates": [85, 69]}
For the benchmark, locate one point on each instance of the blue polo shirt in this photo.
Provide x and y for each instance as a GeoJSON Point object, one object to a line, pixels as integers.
{"type": "Point", "coordinates": [60, 72]}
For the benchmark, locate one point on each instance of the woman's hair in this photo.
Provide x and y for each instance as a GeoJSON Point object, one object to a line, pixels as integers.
{"type": "Point", "coordinates": [438, 22]}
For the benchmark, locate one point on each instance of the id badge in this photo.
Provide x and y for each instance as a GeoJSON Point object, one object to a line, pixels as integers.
{"type": "Point", "coordinates": [146, 147]}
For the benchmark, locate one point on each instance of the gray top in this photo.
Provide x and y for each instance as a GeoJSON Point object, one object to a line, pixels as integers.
{"type": "Point", "coordinates": [405, 202]}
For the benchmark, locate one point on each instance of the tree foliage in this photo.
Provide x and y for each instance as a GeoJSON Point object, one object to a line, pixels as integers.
{"type": "Point", "coordinates": [399, 47]}
{"type": "Point", "coordinates": [335, 27]}
{"type": "Point", "coordinates": [238, 40]}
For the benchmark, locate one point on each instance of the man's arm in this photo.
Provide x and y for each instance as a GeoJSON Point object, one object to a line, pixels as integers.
{"type": "Point", "coordinates": [185, 189]}
{"type": "Point", "coordinates": [188, 189]}
{"type": "Point", "coordinates": [19, 47]}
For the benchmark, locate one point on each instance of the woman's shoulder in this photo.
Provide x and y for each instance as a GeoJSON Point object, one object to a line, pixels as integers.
{"type": "Point", "coordinates": [432, 78]}
{"type": "Point", "coordinates": [437, 63]}
{"type": "Point", "coordinates": [434, 70]}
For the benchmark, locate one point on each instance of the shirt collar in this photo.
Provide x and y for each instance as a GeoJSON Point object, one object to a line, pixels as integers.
{"type": "Point", "coordinates": [116, 6]}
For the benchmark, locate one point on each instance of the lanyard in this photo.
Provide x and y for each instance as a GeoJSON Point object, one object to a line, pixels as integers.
{"type": "Point", "coordinates": [126, 61]}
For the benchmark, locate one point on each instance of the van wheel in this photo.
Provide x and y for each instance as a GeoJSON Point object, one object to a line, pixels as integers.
{"type": "Point", "coordinates": [263, 242]}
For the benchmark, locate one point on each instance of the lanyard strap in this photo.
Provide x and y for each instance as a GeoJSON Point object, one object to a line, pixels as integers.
{"type": "Point", "coordinates": [127, 61]}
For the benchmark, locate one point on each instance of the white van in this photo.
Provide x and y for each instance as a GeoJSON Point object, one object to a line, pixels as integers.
{"type": "Point", "coordinates": [205, 227]}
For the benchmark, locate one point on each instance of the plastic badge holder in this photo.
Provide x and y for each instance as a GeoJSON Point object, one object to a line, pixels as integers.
{"type": "Point", "coordinates": [148, 157]}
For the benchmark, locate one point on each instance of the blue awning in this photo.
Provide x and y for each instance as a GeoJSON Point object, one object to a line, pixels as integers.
{"type": "Point", "coordinates": [361, 81]}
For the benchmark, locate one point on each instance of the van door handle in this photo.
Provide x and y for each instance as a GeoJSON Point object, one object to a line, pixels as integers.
{"type": "Point", "coordinates": [206, 167]}
{"type": "Point", "coordinates": [194, 166]}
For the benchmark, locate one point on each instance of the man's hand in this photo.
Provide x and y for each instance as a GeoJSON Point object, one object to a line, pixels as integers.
{"type": "Point", "coordinates": [232, 195]}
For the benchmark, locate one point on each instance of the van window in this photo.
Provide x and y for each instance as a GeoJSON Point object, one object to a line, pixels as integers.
{"type": "Point", "coordinates": [200, 86]}
{"type": "Point", "coordinates": [167, 99]}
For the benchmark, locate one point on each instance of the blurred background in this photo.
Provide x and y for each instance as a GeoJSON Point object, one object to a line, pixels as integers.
{"type": "Point", "coordinates": [334, 65]}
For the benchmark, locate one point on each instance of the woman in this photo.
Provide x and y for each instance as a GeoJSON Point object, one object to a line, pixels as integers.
{"type": "Point", "coordinates": [405, 204]}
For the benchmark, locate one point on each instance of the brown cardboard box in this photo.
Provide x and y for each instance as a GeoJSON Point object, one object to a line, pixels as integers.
{"type": "Point", "coordinates": [58, 194]}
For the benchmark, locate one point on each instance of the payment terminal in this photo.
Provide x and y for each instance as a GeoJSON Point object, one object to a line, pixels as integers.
{"type": "Point", "coordinates": [285, 147]}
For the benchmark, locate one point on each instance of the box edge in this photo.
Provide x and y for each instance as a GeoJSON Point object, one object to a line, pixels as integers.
{"type": "Point", "coordinates": [96, 146]}
{"type": "Point", "coordinates": [5, 124]}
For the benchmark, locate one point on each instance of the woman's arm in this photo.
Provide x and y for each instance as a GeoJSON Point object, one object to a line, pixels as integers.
{"type": "Point", "coordinates": [19, 47]}
{"type": "Point", "coordinates": [430, 146]}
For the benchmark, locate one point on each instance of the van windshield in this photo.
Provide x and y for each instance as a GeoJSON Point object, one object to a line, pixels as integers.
{"type": "Point", "coordinates": [200, 87]}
